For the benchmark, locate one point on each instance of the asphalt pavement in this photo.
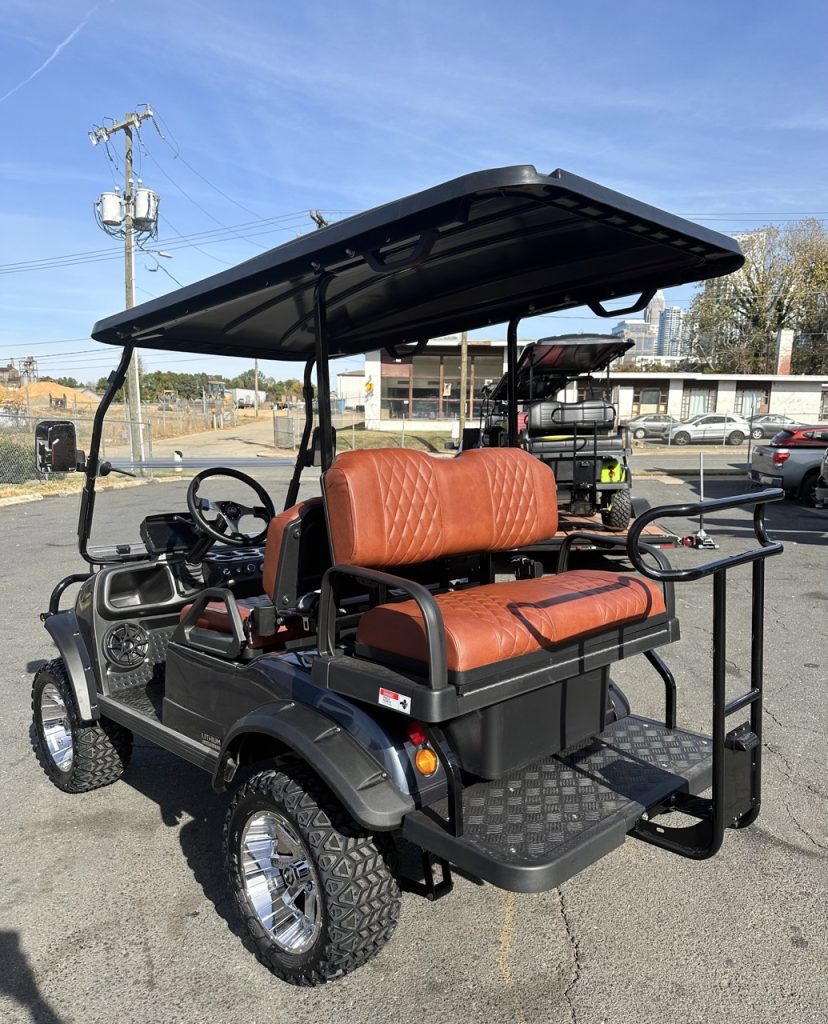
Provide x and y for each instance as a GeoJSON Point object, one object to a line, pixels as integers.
{"type": "Point", "coordinates": [113, 907]}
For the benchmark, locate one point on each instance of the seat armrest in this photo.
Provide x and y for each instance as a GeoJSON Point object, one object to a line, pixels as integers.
{"type": "Point", "coordinates": [209, 640]}
{"type": "Point", "coordinates": [433, 620]}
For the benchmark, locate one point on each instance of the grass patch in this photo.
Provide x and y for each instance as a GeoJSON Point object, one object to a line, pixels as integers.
{"type": "Point", "coordinates": [425, 442]}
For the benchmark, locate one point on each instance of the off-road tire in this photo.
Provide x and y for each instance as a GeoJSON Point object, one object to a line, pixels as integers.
{"type": "Point", "coordinates": [807, 489]}
{"type": "Point", "coordinates": [101, 751]}
{"type": "Point", "coordinates": [682, 437]}
{"type": "Point", "coordinates": [358, 897]}
{"type": "Point", "coordinates": [737, 437]}
{"type": "Point", "coordinates": [617, 515]}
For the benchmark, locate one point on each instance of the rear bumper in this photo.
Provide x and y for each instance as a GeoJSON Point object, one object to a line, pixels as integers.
{"type": "Point", "coordinates": [540, 825]}
{"type": "Point", "coordinates": [766, 479]}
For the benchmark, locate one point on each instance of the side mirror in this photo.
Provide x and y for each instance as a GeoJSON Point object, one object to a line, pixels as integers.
{"type": "Point", "coordinates": [56, 449]}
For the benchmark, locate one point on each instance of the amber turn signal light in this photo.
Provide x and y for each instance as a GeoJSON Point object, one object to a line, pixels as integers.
{"type": "Point", "coordinates": [426, 761]}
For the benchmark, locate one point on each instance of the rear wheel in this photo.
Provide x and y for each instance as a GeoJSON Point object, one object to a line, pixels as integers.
{"type": "Point", "coordinates": [617, 515]}
{"type": "Point", "coordinates": [807, 489]}
{"type": "Point", "coordinates": [682, 437]}
{"type": "Point", "coordinates": [737, 437]}
{"type": "Point", "coordinates": [75, 756]}
{"type": "Point", "coordinates": [312, 886]}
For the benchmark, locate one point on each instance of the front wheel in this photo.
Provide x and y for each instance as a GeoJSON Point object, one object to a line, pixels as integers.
{"type": "Point", "coordinates": [639, 433]}
{"type": "Point", "coordinates": [737, 437]}
{"type": "Point", "coordinates": [617, 515]}
{"type": "Point", "coordinates": [757, 433]}
{"type": "Point", "coordinates": [312, 886]}
{"type": "Point", "coordinates": [75, 756]}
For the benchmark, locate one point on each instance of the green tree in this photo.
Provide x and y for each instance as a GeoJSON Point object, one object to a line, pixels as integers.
{"type": "Point", "coordinates": [68, 382]}
{"type": "Point", "coordinates": [734, 321]}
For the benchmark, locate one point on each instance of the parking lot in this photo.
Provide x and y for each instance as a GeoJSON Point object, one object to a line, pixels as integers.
{"type": "Point", "coordinates": [113, 903]}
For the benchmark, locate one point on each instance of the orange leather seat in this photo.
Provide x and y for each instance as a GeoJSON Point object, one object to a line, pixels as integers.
{"type": "Point", "coordinates": [390, 508]}
{"type": "Point", "coordinates": [215, 616]}
{"type": "Point", "coordinates": [494, 623]}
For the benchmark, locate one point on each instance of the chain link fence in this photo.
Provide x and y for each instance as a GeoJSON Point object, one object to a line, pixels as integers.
{"type": "Point", "coordinates": [18, 459]}
{"type": "Point", "coordinates": [288, 425]}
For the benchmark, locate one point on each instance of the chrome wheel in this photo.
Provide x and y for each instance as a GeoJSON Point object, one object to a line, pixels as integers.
{"type": "Point", "coordinates": [57, 732]}
{"type": "Point", "coordinates": [280, 881]}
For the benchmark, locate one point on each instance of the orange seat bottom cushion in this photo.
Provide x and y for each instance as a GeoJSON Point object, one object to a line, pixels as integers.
{"type": "Point", "coordinates": [489, 624]}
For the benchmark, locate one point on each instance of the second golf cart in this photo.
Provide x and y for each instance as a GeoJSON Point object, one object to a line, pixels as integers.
{"type": "Point", "coordinates": [349, 665]}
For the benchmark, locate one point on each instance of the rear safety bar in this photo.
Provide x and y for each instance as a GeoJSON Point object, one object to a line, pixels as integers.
{"type": "Point", "coordinates": [736, 770]}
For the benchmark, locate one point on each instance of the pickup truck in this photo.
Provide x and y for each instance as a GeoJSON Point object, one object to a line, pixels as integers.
{"type": "Point", "coordinates": [792, 461]}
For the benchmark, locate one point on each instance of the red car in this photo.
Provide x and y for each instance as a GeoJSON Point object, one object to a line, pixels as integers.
{"type": "Point", "coordinates": [815, 436]}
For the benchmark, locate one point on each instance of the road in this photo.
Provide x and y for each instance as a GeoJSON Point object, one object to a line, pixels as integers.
{"type": "Point", "coordinates": [113, 906]}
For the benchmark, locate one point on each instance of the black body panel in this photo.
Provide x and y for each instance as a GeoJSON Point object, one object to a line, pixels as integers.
{"type": "Point", "coordinates": [478, 250]}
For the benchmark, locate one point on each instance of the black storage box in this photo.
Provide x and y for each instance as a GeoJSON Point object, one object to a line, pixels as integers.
{"type": "Point", "coordinates": [497, 739]}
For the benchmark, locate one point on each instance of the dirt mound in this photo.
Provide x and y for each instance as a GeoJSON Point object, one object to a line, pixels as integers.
{"type": "Point", "coordinates": [39, 392]}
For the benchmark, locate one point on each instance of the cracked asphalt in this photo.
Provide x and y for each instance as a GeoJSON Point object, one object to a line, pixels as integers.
{"type": "Point", "coordinates": [113, 907]}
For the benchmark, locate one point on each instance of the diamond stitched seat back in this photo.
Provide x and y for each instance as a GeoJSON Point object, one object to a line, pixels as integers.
{"type": "Point", "coordinates": [388, 507]}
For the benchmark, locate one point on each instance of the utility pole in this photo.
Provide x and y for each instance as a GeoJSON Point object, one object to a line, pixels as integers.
{"type": "Point", "coordinates": [131, 122]}
{"type": "Point", "coordinates": [256, 386]}
{"type": "Point", "coordinates": [464, 360]}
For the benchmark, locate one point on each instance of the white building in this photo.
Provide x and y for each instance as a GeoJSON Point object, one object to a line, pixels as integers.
{"type": "Point", "coordinates": [350, 386]}
{"type": "Point", "coordinates": [426, 388]}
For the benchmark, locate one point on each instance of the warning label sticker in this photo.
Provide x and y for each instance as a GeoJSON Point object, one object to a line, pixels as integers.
{"type": "Point", "coordinates": [395, 701]}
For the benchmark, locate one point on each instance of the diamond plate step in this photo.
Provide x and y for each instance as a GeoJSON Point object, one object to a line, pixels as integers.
{"type": "Point", "coordinates": [542, 824]}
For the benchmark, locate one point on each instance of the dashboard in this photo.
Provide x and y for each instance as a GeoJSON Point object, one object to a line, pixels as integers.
{"type": "Point", "coordinates": [175, 533]}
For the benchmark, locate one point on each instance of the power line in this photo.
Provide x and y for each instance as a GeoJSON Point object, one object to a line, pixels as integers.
{"type": "Point", "coordinates": [176, 151]}
{"type": "Point", "coordinates": [187, 195]}
{"type": "Point", "coordinates": [284, 222]}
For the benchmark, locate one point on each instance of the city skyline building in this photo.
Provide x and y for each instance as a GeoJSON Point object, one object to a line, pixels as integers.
{"type": "Point", "coordinates": [671, 332]}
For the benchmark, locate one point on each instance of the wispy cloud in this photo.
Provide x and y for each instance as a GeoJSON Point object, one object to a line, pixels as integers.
{"type": "Point", "coordinates": [60, 46]}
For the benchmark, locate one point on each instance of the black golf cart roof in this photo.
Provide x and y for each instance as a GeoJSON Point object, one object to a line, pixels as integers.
{"type": "Point", "coordinates": [478, 250]}
{"type": "Point", "coordinates": [563, 358]}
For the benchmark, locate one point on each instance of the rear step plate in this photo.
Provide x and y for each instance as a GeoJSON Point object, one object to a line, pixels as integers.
{"type": "Point", "coordinates": [542, 824]}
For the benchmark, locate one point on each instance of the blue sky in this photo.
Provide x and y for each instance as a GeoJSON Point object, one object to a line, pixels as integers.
{"type": "Point", "coordinates": [713, 110]}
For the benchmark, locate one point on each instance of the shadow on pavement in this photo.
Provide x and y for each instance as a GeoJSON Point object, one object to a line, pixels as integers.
{"type": "Point", "coordinates": [17, 981]}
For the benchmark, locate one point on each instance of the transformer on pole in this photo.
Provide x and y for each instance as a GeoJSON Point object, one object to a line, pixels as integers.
{"type": "Point", "coordinates": [135, 212]}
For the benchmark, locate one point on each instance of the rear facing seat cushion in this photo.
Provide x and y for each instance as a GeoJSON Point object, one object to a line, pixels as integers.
{"type": "Point", "coordinates": [389, 508]}
{"type": "Point", "coordinates": [493, 623]}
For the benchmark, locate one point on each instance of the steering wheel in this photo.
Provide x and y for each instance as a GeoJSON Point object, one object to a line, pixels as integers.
{"type": "Point", "coordinates": [225, 526]}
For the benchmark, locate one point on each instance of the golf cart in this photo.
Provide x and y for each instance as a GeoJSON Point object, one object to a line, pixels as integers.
{"type": "Point", "coordinates": [349, 665]}
{"type": "Point", "coordinates": [578, 440]}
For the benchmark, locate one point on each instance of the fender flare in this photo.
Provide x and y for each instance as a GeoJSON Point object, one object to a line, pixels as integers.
{"type": "Point", "coordinates": [64, 630]}
{"type": "Point", "coordinates": [360, 783]}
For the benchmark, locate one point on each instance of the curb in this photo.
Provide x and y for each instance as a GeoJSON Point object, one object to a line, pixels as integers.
{"type": "Point", "coordinates": [121, 485]}
{"type": "Point", "coordinates": [684, 473]}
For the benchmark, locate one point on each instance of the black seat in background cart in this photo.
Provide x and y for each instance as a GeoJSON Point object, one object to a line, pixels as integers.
{"type": "Point", "coordinates": [587, 417]}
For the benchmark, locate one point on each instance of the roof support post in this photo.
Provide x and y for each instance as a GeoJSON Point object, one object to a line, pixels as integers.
{"type": "Point", "coordinates": [511, 381]}
{"type": "Point", "coordinates": [323, 380]}
{"type": "Point", "coordinates": [87, 505]}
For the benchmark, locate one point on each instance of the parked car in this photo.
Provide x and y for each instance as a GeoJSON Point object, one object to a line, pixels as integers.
{"type": "Point", "coordinates": [713, 427]}
{"type": "Point", "coordinates": [653, 424]}
{"type": "Point", "coordinates": [793, 460]}
{"type": "Point", "coordinates": [771, 423]}
{"type": "Point", "coordinates": [821, 495]}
